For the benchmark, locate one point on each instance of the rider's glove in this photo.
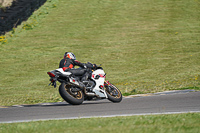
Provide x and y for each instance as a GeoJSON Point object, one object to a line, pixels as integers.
{"type": "Point", "coordinates": [94, 65]}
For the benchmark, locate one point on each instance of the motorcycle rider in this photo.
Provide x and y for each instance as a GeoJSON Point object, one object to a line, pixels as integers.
{"type": "Point", "coordinates": [69, 61]}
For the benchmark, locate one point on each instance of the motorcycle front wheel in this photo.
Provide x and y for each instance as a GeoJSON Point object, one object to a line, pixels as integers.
{"type": "Point", "coordinates": [113, 93]}
{"type": "Point", "coordinates": [71, 95]}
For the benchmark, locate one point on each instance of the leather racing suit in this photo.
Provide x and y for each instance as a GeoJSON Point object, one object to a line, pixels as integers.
{"type": "Point", "coordinates": [68, 64]}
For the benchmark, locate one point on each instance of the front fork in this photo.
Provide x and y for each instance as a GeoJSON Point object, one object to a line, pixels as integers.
{"type": "Point", "coordinates": [107, 83]}
{"type": "Point", "coordinates": [110, 87]}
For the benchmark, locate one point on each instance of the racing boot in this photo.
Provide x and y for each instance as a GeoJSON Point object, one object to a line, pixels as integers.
{"type": "Point", "coordinates": [85, 76]}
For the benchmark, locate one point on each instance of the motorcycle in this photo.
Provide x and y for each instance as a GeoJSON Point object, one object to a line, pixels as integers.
{"type": "Point", "coordinates": [96, 87]}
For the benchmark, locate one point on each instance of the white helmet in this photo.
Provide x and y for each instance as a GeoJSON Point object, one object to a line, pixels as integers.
{"type": "Point", "coordinates": [70, 55]}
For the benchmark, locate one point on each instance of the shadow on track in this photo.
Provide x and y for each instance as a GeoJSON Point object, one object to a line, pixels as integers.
{"type": "Point", "coordinates": [64, 104]}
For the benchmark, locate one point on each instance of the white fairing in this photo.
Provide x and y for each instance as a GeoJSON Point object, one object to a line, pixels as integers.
{"type": "Point", "coordinates": [98, 76]}
{"type": "Point", "coordinates": [99, 88]}
{"type": "Point", "coordinates": [63, 72]}
{"type": "Point", "coordinates": [72, 80]}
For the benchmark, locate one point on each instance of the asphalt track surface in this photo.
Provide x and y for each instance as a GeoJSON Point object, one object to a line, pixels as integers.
{"type": "Point", "coordinates": [164, 103]}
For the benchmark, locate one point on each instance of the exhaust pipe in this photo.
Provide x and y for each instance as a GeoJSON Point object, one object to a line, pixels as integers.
{"type": "Point", "coordinates": [88, 93]}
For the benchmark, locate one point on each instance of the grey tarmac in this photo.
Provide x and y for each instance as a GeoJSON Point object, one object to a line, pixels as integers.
{"type": "Point", "coordinates": [158, 103]}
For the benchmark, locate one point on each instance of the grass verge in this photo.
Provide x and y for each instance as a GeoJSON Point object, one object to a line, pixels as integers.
{"type": "Point", "coordinates": [179, 123]}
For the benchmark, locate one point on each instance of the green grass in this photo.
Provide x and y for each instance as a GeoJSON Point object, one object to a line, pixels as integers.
{"type": "Point", "coordinates": [176, 123]}
{"type": "Point", "coordinates": [145, 46]}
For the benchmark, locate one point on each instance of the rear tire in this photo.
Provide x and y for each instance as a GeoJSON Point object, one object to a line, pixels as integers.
{"type": "Point", "coordinates": [113, 93]}
{"type": "Point", "coordinates": [70, 96]}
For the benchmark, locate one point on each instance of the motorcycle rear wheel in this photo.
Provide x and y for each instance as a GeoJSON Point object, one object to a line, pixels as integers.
{"type": "Point", "coordinates": [70, 96]}
{"type": "Point", "coordinates": [113, 93]}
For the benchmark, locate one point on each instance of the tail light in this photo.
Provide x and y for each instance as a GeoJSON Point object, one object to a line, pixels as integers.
{"type": "Point", "coordinates": [51, 74]}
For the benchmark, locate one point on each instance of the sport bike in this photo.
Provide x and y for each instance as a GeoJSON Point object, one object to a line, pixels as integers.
{"type": "Point", "coordinates": [96, 87]}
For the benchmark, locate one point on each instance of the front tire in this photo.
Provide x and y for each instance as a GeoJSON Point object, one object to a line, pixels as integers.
{"type": "Point", "coordinates": [113, 93]}
{"type": "Point", "coordinates": [71, 96]}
